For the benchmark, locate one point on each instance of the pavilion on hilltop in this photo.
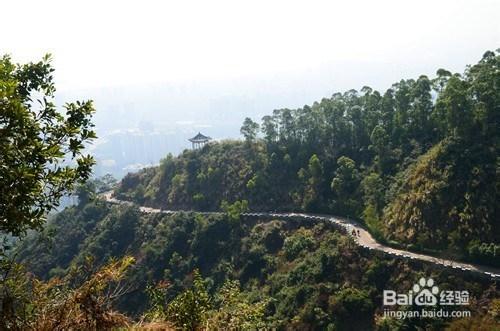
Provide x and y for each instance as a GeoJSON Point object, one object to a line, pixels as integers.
{"type": "Point", "coordinates": [199, 140]}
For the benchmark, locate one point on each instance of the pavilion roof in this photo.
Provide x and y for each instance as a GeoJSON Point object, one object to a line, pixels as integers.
{"type": "Point", "coordinates": [199, 137]}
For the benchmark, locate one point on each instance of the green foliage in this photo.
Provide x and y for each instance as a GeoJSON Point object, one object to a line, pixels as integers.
{"type": "Point", "coordinates": [418, 163]}
{"type": "Point", "coordinates": [352, 309]}
{"type": "Point", "coordinates": [299, 275]}
{"type": "Point", "coordinates": [74, 225]}
{"type": "Point", "coordinates": [374, 191]}
{"type": "Point", "coordinates": [372, 220]}
{"type": "Point", "coordinates": [381, 146]}
{"type": "Point", "coordinates": [85, 192]}
{"type": "Point", "coordinates": [157, 297]}
{"type": "Point", "coordinates": [194, 309]}
{"type": "Point", "coordinates": [189, 310]}
{"type": "Point", "coordinates": [449, 196]}
{"type": "Point", "coordinates": [42, 149]}
{"type": "Point", "coordinates": [486, 253]}
{"type": "Point", "coordinates": [298, 243]}
{"type": "Point", "coordinates": [312, 179]}
{"type": "Point", "coordinates": [345, 187]}
{"type": "Point", "coordinates": [249, 129]}
{"type": "Point", "coordinates": [89, 190]}
{"type": "Point", "coordinates": [236, 311]}
{"type": "Point", "coordinates": [235, 209]}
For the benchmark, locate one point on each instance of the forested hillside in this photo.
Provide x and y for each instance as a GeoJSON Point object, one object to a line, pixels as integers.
{"type": "Point", "coordinates": [418, 163]}
{"type": "Point", "coordinates": [225, 271]}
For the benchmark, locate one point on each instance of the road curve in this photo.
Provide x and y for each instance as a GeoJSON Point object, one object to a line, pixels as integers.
{"type": "Point", "coordinates": [364, 238]}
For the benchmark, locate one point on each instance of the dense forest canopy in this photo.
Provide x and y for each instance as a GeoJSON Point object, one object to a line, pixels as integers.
{"type": "Point", "coordinates": [217, 271]}
{"type": "Point", "coordinates": [417, 163]}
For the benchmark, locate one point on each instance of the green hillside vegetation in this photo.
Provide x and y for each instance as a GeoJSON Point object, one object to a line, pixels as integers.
{"type": "Point", "coordinates": [215, 271]}
{"type": "Point", "coordinates": [418, 163]}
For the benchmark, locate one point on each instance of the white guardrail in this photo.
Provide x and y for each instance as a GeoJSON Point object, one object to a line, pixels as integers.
{"type": "Point", "coordinates": [362, 237]}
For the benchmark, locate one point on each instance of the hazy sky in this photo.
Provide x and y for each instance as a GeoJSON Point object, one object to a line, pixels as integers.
{"type": "Point", "coordinates": [115, 43]}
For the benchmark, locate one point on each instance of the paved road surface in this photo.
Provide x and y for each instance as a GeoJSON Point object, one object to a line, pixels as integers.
{"type": "Point", "coordinates": [364, 238]}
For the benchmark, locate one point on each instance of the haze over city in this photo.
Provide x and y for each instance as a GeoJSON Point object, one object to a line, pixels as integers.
{"type": "Point", "coordinates": [176, 68]}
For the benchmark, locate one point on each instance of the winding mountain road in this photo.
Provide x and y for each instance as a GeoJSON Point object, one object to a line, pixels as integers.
{"type": "Point", "coordinates": [362, 237]}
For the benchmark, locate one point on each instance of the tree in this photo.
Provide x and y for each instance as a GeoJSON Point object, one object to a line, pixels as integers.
{"type": "Point", "coordinates": [249, 129]}
{"type": "Point", "coordinates": [312, 179]}
{"type": "Point", "coordinates": [269, 128]}
{"type": "Point", "coordinates": [41, 149]}
{"type": "Point", "coordinates": [442, 78]}
{"type": "Point", "coordinates": [420, 127]}
{"type": "Point", "coordinates": [345, 187]}
{"type": "Point", "coordinates": [85, 192]}
{"type": "Point", "coordinates": [234, 210]}
{"type": "Point", "coordinates": [189, 310]}
{"type": "Point", "coordinates": [374, 200]}
{"type": "Point", "coordinates": [88, 191]}
{"type": "Point", "coordinates": [380, 144]}
{"type": "Point", "coordinates": [236, 311]}
{"type": "Point", "coordinates": [352, 308]}
{"type": "Point", "coordinates": [453, 107]}
{"type": "Point", "coordinates": [105, 183]}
